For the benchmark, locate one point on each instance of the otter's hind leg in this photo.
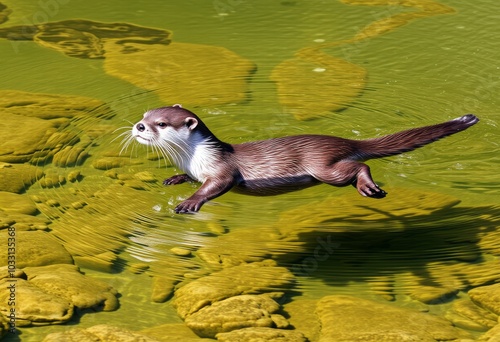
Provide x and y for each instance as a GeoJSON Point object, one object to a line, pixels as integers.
{"type": "Point", "coordinates": [351, 172]}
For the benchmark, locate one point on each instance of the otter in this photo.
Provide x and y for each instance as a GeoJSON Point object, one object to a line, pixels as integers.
{"type": "Point", "coordinates": [276, 165]}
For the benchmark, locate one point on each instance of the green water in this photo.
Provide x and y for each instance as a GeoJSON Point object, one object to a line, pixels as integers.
{"type": "Point", "coordinates": [430, 70]}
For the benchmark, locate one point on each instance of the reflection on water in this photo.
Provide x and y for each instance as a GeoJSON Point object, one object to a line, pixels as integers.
{"type": "Point", "coordinates": [354, 71]}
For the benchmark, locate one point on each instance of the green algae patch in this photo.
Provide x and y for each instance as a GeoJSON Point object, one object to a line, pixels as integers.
{"type": "Point", "coordinates": [352, 212]}
{"type": "Point", "coordinates": [311, 86]}
{"type": "Point", "coordinates": [190, 74]}
{"type": "Point", "coordinates": [35, 307]}
{"type": "Point", "coordinates": [51, 106]}
{"type": "Point", "coordinates": [82, 38]}
{"type": "Point", "coordinates": [314, 83]}
{"type": "Point", "coordinates": [35, 248]}
{"type": "Point", "coordinates": [347, 318]}
{"type": "Point", "coordinates": [65, 281]}
{"type": "Point", "coordinates": [17, 178]}
{"type": "Point", "coordinates": [233, 281]}
{"type": "Point", "coordinates": [99, 333]}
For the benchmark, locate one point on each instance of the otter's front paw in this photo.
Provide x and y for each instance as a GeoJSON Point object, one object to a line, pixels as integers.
{"type": "Point", "coordinates": [177, 179]}
{"type": "Point", "coordinates": [189, 207]}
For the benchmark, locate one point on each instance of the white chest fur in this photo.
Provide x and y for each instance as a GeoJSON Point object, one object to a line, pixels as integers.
{"type": "Point", "coordinates": [195, 156]}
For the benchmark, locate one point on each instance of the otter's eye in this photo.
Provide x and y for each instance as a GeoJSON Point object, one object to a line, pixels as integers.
{"type": "Point", "coordinates": [162, 124]}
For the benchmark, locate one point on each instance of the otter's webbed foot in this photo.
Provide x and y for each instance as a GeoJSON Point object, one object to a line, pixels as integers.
{"type": "Point", "coordinates": [372, 191]}
{"type": "Point", "coordinates": [177, 179]}
{"type": "Point", "coordinates": [367, 187]}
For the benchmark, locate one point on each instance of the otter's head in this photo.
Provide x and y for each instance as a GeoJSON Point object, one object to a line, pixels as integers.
{"type": "Point", "coordinates": [167, 125]}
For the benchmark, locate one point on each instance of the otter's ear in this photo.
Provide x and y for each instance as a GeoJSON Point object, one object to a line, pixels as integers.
{"type": "Point", "coordinates": [191, 123]}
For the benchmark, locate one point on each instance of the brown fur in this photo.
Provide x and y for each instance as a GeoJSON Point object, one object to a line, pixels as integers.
{"type": "Point", "coordinates": [276, 165]}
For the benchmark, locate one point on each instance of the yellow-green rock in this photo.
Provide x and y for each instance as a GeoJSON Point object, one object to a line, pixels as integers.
{"type": "Point", "coordinates": [487, 297]}
{"type": "Point", "coordinates": [261, 335]}
{"type": "Point", "coordinates": [99, 333]}
{"type": "Point", "coordinates": [33, 305]}
{"type": "Point", "coordinates": [50, 106]}
{"type": "Point", "coordinates": [465, 314]}
{"type": "Point", "coordinates": [189, 74]}
{"type": "Point", "coordinates": [34, 248]}
{"type": "Point", "coordinates": [85, 38]}
{"type": "Point", "coordinates": [233, 313]}
{"type": "Point", "coordinates": [312, 86]}
{"type": "Point", "coordinates": [66, 282]}
{"type": "Point", "coordinates": [173, 332]}
{"type": "Point", "coordinates": [347, 318]}
{"type": "Point", "coordinates": [232, 281]}
{"type": "Point", "coordinates": [18, 177]}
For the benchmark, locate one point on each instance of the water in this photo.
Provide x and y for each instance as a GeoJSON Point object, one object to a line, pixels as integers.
{"type": "Point", "coordinates": [439, 215]}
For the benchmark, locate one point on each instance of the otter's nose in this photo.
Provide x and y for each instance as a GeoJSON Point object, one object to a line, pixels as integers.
{"type": "Point", "coordinates": [140, 127]}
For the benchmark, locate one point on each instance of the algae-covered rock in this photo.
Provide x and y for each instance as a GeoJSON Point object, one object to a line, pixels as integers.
{"type": "Point", "coordinates": [303, 317]}
{"type": "Point", "coordinates": [107, 163]}
{"type": "Point", "coordinates": [99, 333]}
{"type": "Point", "coordinates": [103, 262]}
{"type": "Point", "coordinates": [260, 243]}
{"type": "Point", "coordinates": [163, 288]}
{"type": "Point", "coordinates": [487, 297]}
{"type": "Point", "coordinates": [244, 279]}
{"type": "Point", "coordinates": [315, 84]}
{"type": "Point", "coordinates": [26, 140]}
{"type": "Point", "coordinates": [465, 314]}
{"type": "Point", "coordinates": [493, 335]}
{"type": "Point", "coordinates": [33, 305]}
{"type": "Point", "coordinates": [34, 248]}
{"type": "Point", "coordinates": [49, 106]}
{"type": "Point", "coordinates": [433, 294]}
{"type": "Point", "coordinates": [346, 318]}
{"type": "Point", "coordinates": [192, 74]}
{"type": "Point", "coordinates": [404, 205]}
{"type": "Point", "coordinates": [66, 282]}
{"type": "Point", "coordinates": [85, 38]}
{"type": "Point", "coordinates": [69, 156]}
{"type": "Point", "coordinates": [261, 335]}
{"type": "Point", "coordinates": [16, 204]}
{"type": "Point", "coordinates": [17, 178]}
{"type": "Point", "coordinates": [173, 332]}
{"type": "Point", "coordinates": [233, 313]}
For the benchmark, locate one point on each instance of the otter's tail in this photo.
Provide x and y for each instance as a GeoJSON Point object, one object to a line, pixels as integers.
{"type": "Point", "coordinates": [411, 139]}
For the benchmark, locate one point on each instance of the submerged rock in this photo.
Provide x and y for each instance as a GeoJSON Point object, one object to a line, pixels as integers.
{"type": "Point", "coordinates": [173, 332]}
{"type": "Point", "coordinates": [192, 74]}
{"type": "Point", "coordinates": [346, 318]}
{"type": "Point", "coordinates": [493, 335]}
{"type": "Point", "coordinates": [51, 106]}
{"type": "Point", "coordinates": [35, 248]}
{"type": "Point", "coordinates": [465, 314]}
{"type": "Point", "coordinates": [17, 178]}
{"type": "Point", "coordinates": [39, 138]}
{"type": "Point", "coordinates": [233, 313]}
{"type": "Point", "coordinates": [26, 140]}
{"type": "Point", "coordinates": [85, 38]}
{"type": "Point", "coordinates": [17, 204]}
{"type": "Point", "coordinates": [487, 297]}
{"type": "Point", "coordinates": [66, 282]}
{"type": "Point", "coordinates": [34, 306]}
{"type": "Point", "coordinates": [232, 281]}
{"type": "Point", "coordinates": [99, 333]}
{"type": "Point", "coordinates": [314, 83]}
{"type": "Point", "coordinates": [261, 335]}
